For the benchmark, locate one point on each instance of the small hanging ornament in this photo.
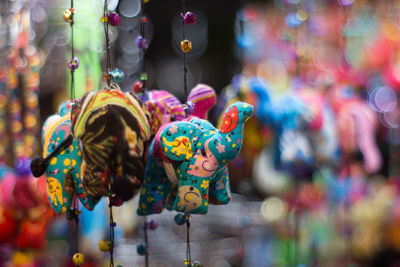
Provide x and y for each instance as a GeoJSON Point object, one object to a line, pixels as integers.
{"type": "Point", "coordinates": [197, 264]}
{"type": "Point", "coordinates": [189, 18]}
{"type": "Point", "coordinates": [141, 249]}
{"type": "Point", "coordinates": [180, 219]}
{"type": "Point", "coordinates": [186, 46]}
{"type": "Point", "coordinates": [68, 15]}
{"type": "Point", "coordinates": [104, 245]}
{"type": "Point", "coordinates": [73, 63]}
{"type": "Point", "coordinates": [117, 75]}
{"type": "Point", "coordinates": [138, 87]}
{"type": "Point", "coordinates": [188, 107]}
{"type": "Point", "coordinates": [141, 42]}
{"type": "Point", "coordinates": [151, 224]}
{"type": "Point", "coordinates": [116, 201]}
{"type": "Point", "coordinates": [78, 259]}
{"type": "Point", "coordinates": [113, 19]}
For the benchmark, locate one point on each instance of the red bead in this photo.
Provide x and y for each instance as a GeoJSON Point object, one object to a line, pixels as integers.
{"type": "Point", "coordinates": [138, 87]}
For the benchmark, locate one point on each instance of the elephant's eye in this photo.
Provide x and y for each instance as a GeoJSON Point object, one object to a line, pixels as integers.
{"type": "Point", "coordinates": [191, 188]}
{"type": "Point", "coordinates": [168, 133]}
{"type": "Point", "coordinates": [203, 152]}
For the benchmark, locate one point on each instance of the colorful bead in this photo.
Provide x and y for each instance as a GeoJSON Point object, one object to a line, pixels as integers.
{"type": "Point", "coordinates": [146, 1]}
{"type": "Point", "coordinates": [117, 75]}
{"type": "Point", "coordinates": [143, 19]}
{"type": "Point", "coordinates": [189, 18]}
{"type": "Point", "coordinates": [105, 245]}
{"type": "Point", "coordinates": [141, 249]}
{"type": "Point", "coordinates": [73, 63]}
{"type": "Point", "coordinates": [104, 19]}
{"type": "Point", "coordinates": [78, 259]}
{"type": "Point", "coordinates": [189, 107]}
{"type": "Point", "coordinates": [151, 224]}
{"type": "Point", "coordinates": [138, 87]}
{"type": "Point", "coordinates": [113, 19]}
{"type": "Point", "coordinates": [68, 15]}
{"type": "Point", "coordinates": [186, 46]}
{"type": "Point", "coordinates": [180, 219]}
{"type": "Point", "coordinates": [22, 166]}
{"type": "Point", "coordinates": [116, 201]}
{"type": "Point", "coordinates": [143, 76]}
{"type": "Point", "coordinates": [70, 215]}
{"type": "Point", "coordinates": [141, 42]}
{"type": "Point", "coordinates": [197, 264]}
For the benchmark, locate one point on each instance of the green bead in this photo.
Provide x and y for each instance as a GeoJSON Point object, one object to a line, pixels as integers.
{"type": "Point", "coordinates": [143, 76]}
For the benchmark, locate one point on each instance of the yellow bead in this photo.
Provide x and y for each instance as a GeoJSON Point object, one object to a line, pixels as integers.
{"type": "Point", "coordinates": [68, 15]}
{"type": "Point", "coordinates": [146, 1]}
{"type": "Point", "coordinates": [104, 245]}
{"type": "Point", "coordinates": [78, 259]}
{"type": "Point", "coordinates": [104, 19]}
{"type": "Point", "coordinates": [186, 46]}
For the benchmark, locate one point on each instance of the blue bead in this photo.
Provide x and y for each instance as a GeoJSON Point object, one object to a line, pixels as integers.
{"type": "Point", "coordinates": [113, 224]}
{"type": "Point", "coordinates": [141, 249]}
{"type": "Point", "coordinates": [180, 219]}
{"type": "Point", "coordinates": [117, 75]}
{"type": "Point", "coordinates": [197, 264]}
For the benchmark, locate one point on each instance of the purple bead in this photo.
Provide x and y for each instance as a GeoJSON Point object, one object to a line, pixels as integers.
{"type": "Point", "coordinates": [22, 166]}
{"type": "Point", "coordinates": [189, 107]}
{"type": "Point", "coordinates": [141, 42]}
{"type": "Point", "coordinates": [113, 19]}
{"type": "Point", "coordinates": [189, 18]}
{"type": "Point", "coordinates": [73, 63]}
{"type": "Point", "coordinates": [116, 201]}
{"type": "Point", "coordinates": [151, 224]}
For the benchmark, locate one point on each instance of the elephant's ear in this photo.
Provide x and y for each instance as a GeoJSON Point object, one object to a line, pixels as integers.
{"type": "Point", "coordinates": [178, 140]}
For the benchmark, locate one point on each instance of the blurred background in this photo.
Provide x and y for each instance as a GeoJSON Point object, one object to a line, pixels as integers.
{"type": "Point", "coordinates": [317, 180]}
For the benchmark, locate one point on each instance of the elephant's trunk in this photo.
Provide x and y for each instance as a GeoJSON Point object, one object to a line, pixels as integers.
{"type": "Point", "coordinates": [227, 145]}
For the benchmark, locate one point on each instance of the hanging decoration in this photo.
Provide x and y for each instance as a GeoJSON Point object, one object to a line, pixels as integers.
{"type": "Point", "coordinates": [140, 87]}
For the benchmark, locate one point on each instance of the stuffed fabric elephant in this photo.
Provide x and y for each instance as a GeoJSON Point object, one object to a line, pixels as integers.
{"type": "Point", "coordinates": [113, 129]}
{"type": "Point", "coordinates": [198, 154]}
{"type": "Point", "coordinates": [163, 108]}
{"type": "Point", "coordinates": [64, 169]}
{"type": "Point", "coordinates": [303, 127]}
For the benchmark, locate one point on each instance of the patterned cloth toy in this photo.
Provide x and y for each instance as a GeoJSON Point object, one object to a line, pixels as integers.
{"type": "Point", "coordinates": [113, 129]}
{"type": "Point", "coordinates": [163, 108]}
{"type": "Point", "coordinates": [199, 154]}
{"type": "Point", "coordinates": [64, 168]}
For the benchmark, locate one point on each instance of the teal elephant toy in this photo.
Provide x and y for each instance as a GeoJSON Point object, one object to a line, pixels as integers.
{"type": "Point", "coordinates": [63, 169]}
{"type": "Point", "coordinates": [186, 168]}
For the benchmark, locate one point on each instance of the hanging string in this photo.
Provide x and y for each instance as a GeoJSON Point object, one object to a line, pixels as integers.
{"type": "Point", "coordinates": [107, 39]}
{"type": "Point", "coordinates": [146, 242]}
{"type": "Point", "coordinates": [142, 44]}
{"type": "Point", "coordinates": [185, 70]}
{"type": "Point", "coordinates": [188, 260]}
{"type": "Point", "coordinates": [72, 52]}
{"type": "Point", "coordinates": [112, 225]}
{"type": "Point", "coordinates": [76, 219]}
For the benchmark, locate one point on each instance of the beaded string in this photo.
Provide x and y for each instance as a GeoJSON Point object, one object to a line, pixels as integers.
{"type": "Point", "coordinates": [188, 260]}
{"type": "Point", "coordinates": [188, 18]}
{"type": "Point", "coordinates": [4, 131]}
{"type": "Point", "coordinates": [140, 87]}
{"type": "Point", "coordinates": [73, 64]}
{"type": "Point", "coordinates": [107, 40]}
{"type": "Point", "coordinates": [112, 225]}
{"type": "Point", "coordinates": [73, 60]}
{"type": "Point", "coordinates": [185, 70]}
{"type": "Point", "coordinates": [146, 241]}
